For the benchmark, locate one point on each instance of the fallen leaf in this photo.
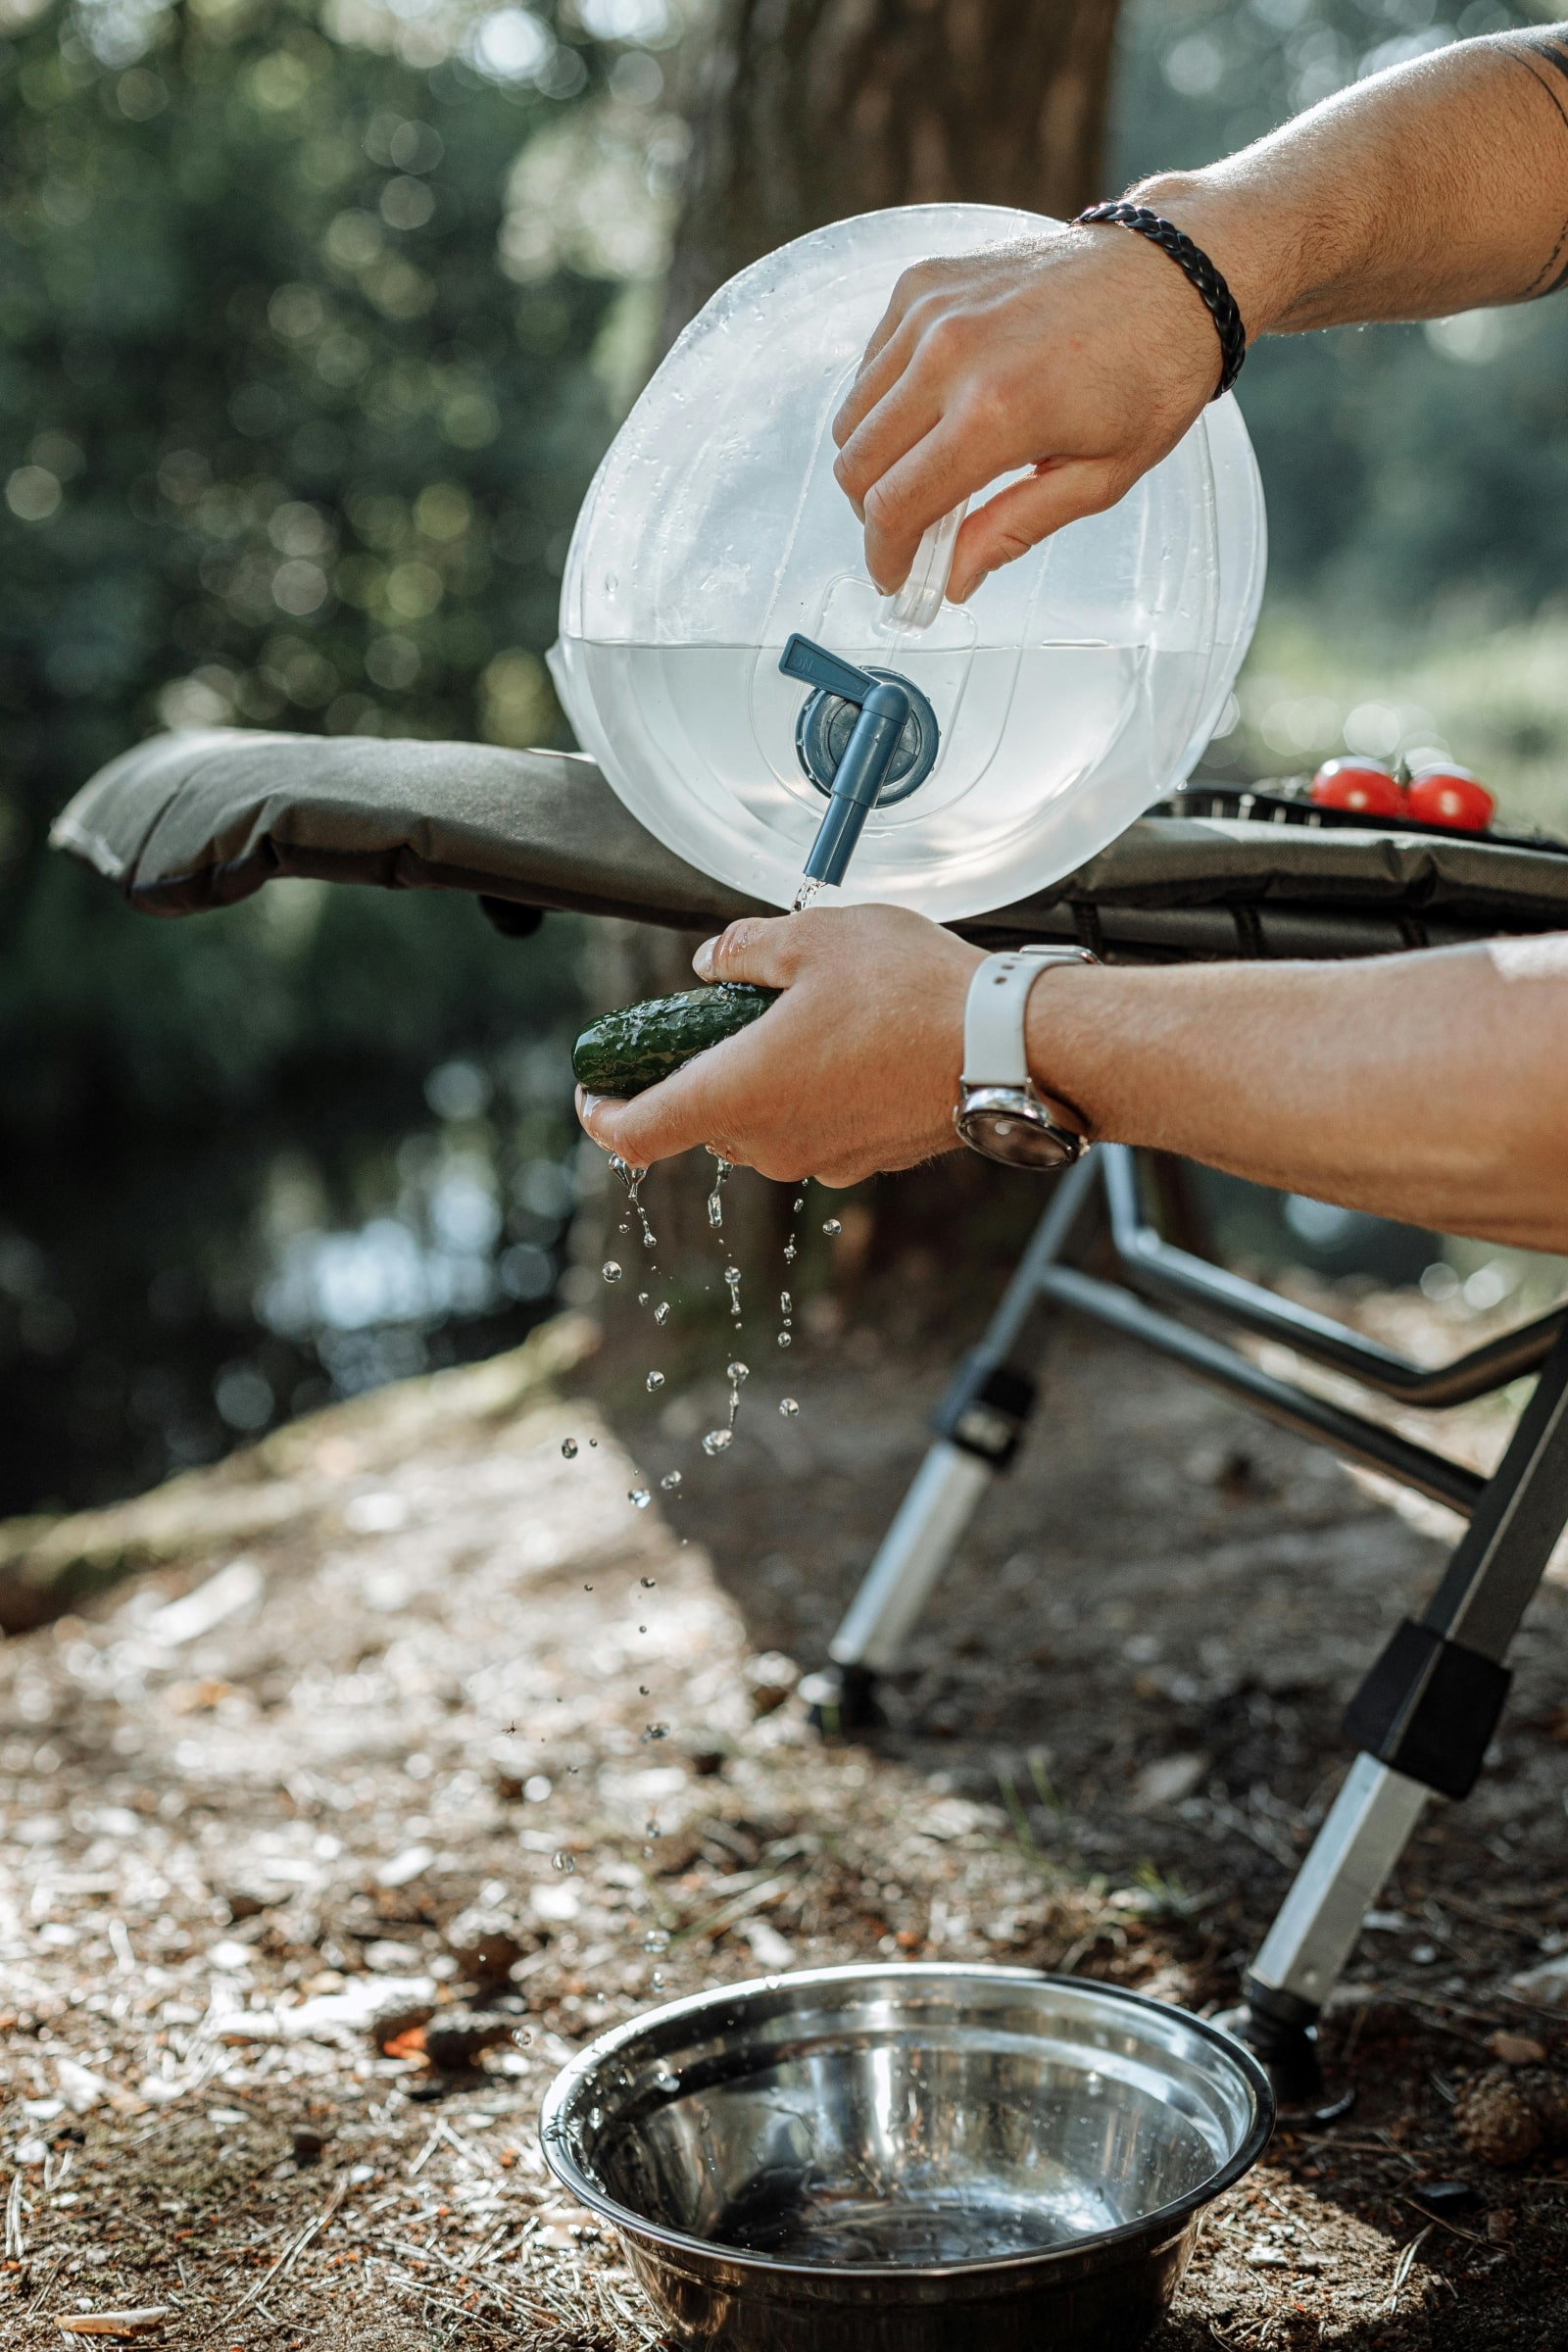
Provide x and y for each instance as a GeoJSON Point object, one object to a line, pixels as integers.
{"type": "Point", "coordinates": [117, 2323]}
{"type": "Point", "coordinates": [1516, 2049]}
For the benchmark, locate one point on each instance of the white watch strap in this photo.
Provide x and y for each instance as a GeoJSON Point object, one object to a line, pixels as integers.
{"type": "Point", "coordinates": [995, 1048]}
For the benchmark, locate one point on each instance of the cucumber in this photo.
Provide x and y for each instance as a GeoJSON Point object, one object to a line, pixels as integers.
{"type": "Point", "coordinates": [625, 1052]}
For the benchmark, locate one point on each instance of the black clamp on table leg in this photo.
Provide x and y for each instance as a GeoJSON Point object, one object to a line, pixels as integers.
{"type": "Point", "coordinates": [1283, 2030]}
{"type": "Point", "coordinates": [985, 1409]}
{"type": "Point", "coordinates": [1429, 1708]}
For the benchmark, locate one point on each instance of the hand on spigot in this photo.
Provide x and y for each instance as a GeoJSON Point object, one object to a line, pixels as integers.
{"type": "Point", "coordinates": [1084, 354]}
{"type": "Point", "coordinates": [1079, 353]}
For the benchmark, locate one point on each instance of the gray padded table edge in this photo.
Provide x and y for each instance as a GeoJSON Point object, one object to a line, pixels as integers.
{"type": "Point", "coordinates": [188, 822]}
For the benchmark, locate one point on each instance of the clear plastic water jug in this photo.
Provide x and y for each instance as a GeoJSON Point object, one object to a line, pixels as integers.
{"type": "Point", "coordinates": [1078, 684]}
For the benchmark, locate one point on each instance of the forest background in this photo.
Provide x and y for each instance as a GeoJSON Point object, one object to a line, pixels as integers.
{"type": "Point", "coordinates": [314, 322]}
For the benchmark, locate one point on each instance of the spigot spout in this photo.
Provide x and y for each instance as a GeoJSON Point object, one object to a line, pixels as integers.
{"type": "Point", "coordinates": [862, 774]}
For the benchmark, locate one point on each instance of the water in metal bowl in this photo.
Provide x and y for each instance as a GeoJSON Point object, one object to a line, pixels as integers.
{"type": "Point", "coordinates": [906, 2159]}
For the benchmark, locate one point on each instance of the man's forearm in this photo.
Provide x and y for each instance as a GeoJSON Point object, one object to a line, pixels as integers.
{"type": "Point", "coordinates": [1435, 187]}
{"type": "Point", "coordinates": [1429, 1087]}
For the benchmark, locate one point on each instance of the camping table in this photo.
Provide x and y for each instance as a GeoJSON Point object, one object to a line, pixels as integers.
{"type": "Point", "coordinates": [189, 822]}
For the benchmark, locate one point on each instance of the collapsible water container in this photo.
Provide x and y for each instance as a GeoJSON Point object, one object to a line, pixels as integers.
{"type": "Point", "coordinates": [1077, 686]}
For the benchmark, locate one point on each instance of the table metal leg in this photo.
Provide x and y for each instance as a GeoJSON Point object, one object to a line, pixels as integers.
{"type": "Point", "coordinates": [1424, 1718]}
{"type": "Point", "coordinates": [979, 1426]}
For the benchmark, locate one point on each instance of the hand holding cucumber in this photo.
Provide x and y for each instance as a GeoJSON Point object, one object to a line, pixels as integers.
{"type": "Point", "coordinates": [852, 1068]}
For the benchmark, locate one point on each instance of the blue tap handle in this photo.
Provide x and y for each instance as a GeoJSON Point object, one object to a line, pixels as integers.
{"type": "Point", "coordinates": [814, 665]}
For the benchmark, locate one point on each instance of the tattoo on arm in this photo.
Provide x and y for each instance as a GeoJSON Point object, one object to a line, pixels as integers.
{"type": "Point", "coordinates": [1545, 57]}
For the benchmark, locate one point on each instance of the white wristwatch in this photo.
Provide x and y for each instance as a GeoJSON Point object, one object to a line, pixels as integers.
{"type": "Point", "coordinates": [999, 1115]}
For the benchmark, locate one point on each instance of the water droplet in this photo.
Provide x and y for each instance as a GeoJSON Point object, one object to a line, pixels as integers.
{"type": "Point", "coordinates": [522, 2037]}
{"type": "Point", "coordinates": [595, 2116]}
{"type": "Point", "coordinates": [670, 1481]}
{"type": "Point", "coordinates": [657, 1731]}
{"type": "Point", "coordinates": [643, 1691]}
{"type": "Point", "coordinates": [661, 1312]}
{"type": "Point", "coordinates": [564, 1862]}
{"type": "Point", "coordinates": [655, 1382]}
{"type": "Point", "coordinates": [568, 1448]}
{"type": "Point", "coordinates": [587, 1588]}
{"type": "Point", "coordinates": [737, 1372]}
{"type": "Point", "coordinates": [790, 1254]}
{"type": "Point", "coordinates": [656, 1940]}
{"type": "Point", "coordinates": [657, 1981]}
{"type": "Point", "coordinates": [624, 1226]}
{"type": "Point", "coordinates": [639, 1499]}
{"type": "Point", "coordinates": [788, 1408]}
{"type": "Point", "coordinates": [610, 1270]}
{"type": "Point", "coordinates": [650, 1238]}
{"type": "Point", "coordinates": [648, 1582]}
{"type": "Point", "coordinates": [786, 1305]}
{"type": "Point", "coordinates": [593, 1441]}
{"type": "Point", "coordinates": [831, 1226]}
{"type": "Point", "coordinates": [666, 2082]}
{"type": "Point", "coordinates": [783, 1339]}
{"type": "Point", "coordinates": [642, 1298]}
{"type": "Point", "coordinates": [800, 1204]}
{"type": "Point", "coordinates": [651, 1828]}
{"type": "Point", "coordinates": [717, 1439]}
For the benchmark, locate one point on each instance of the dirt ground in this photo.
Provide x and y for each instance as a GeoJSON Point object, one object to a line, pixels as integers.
{"type": "Point", "coordinates": [283, 1802]}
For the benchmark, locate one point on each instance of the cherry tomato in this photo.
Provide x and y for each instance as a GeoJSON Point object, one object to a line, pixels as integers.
{"type": "Point", "coordinates": [1359, 784]}
{"type": "Point", "coordinates": [1451, 796]}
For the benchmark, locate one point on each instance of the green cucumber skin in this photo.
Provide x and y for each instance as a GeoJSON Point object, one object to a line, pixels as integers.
{"type": "Point", "coordinates": [626, 1051]}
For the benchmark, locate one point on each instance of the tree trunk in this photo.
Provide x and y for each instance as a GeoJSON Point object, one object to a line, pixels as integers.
{"type": "Point", "coordinates": [812, 109]}
{"type": "Point", "coordinates": [806, 111]}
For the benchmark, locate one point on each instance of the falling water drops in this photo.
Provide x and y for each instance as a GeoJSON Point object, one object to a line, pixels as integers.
{"type": "Point", "coordinates": [717, 1439]}
{"type": "Point", "coordinates": [564, 1862]}
{"type": "Point", "coordinates": [733, 1283]}
{"type": "Point", "coordinates": [639, 1499]}
{"type": "Point", "coordinates": [661, 1312]}
{"type": "Point", "coordinates": [788, 1408]}
{"type": "Point", "coordinates": [656, 1940]}
{"type": "Point", "coordinates": [784, 1339]}
{"type": "Point", "coordinates": [642, 1298]}
{"type": "Point", "coordinates": [647, 1582]}
{"type": "Point", "coordinates": [786, 1305]}
{"type": "Point", "coordinates": [715, 1199]}
{"type": "Point", "coordinates": [737, 1372]}
{"type": "Point", "coordinates": [655, 1382]}
{"type": "Point", "coordinates": [611, 1270]}
{"type": "Point", "coordinates": [568, 1448]}
{"type": "Point", "coordinates": [831, 1227]}
{"type": "Point", "coordinates": [670, 1481]}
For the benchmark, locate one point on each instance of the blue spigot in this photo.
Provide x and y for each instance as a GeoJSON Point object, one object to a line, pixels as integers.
{"type": "Point", "coordinates": [879, 747]}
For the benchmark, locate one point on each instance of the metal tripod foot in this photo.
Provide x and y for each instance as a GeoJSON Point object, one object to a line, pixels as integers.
{"type": "Point", "coordinates": [841, 1700]}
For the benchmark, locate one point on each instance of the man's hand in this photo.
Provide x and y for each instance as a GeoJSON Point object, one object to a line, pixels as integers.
{"type": "Point", "coordinates": [1081, 352]}
{"type": "Point", "coordinates": [854, 1070]}
{"type": "Point", "coordinates": [1084, 354]}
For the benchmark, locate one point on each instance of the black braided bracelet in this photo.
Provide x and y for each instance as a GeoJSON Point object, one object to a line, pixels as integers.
{"type": "Point", "coordinates": [1195, 266]}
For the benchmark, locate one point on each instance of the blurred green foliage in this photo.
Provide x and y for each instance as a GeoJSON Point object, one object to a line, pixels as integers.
{"type": "Point", "coordinates": [287, 439]}
{"type": "Point", "coordinates": [292, 450]}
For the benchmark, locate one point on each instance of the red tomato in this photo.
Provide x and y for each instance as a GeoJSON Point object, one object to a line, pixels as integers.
{"type": "Point", "coordinates": [1359, 784]}
{"type": "Point", "coordinates": [1451, 796]}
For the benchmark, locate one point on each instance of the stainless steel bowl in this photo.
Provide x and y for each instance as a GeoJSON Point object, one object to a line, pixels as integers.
{"type": "Point", "coordinates": [910, 2159]}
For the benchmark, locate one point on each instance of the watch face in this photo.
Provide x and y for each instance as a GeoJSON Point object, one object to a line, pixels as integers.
{"type": "Point", "coordinates": [1015, 1131]}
